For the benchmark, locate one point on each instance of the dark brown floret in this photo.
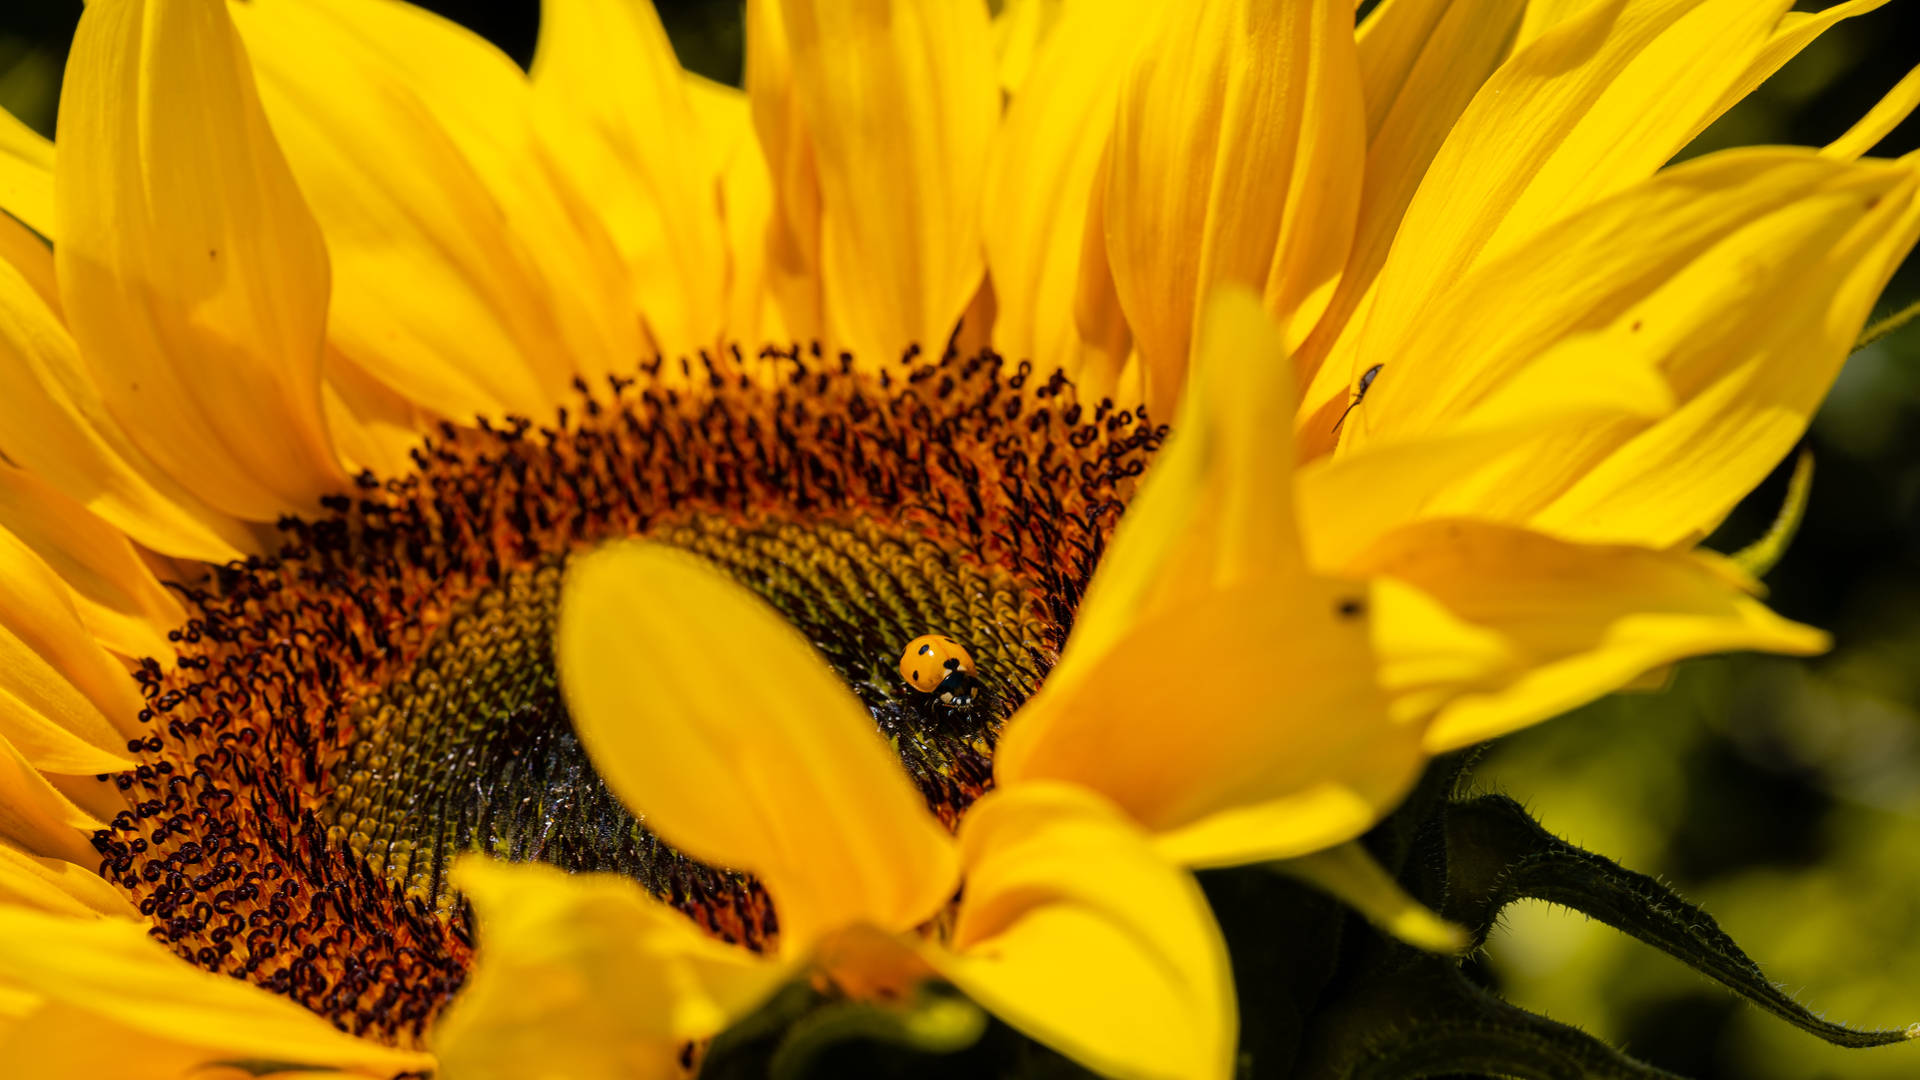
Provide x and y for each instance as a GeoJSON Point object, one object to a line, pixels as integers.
{"type": "Point", "coordinates": [350, 714]}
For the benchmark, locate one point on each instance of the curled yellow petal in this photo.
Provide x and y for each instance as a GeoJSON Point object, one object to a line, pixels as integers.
{"type": "Point", "coordinates": [781, 774]}
{"type": "Point", "coordinates": [1075, 932]}
{"type": "Point", "coordinates": [191, 272]}
{"type": "Point", "coordinates": [1576, 621]}
{"type": "Point", "coordinates": [111, 971]}
{"type": "Point", "coordinates": [586, 975]}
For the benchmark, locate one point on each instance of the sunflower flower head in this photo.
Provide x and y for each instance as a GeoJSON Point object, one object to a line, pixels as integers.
{"type": "Point", "coordinates": [463, 524]}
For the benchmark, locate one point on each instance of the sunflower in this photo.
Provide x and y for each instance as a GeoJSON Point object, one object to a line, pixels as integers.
{"type": "Point", "coordinates": [1262, 406]}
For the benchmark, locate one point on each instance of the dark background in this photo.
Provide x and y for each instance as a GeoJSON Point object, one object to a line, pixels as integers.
{"type": "Point", "coordinates": [1782, 795]}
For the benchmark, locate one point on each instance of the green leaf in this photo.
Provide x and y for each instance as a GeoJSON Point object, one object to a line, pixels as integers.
{"type": "Point", "coordinates": [1497, 853]}
{"type": "Point", "coordinates": [1427, 1020]}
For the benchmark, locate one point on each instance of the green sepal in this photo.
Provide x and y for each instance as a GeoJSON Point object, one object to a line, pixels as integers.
{"type": "Point", "coordinates": [1497, 854]}
{"type": "Point", "coordinates": [936, 1021]}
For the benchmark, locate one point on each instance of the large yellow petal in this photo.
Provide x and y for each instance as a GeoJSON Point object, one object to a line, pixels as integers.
{"type": "Point", "coordinates": [1073, 931]}
{"type": "Point", "coordinates": [191, 272]}
{"type": "Point", "coordinates": [586, 976]}
{"type": "Point", "coordinates": [1047, 161]}
{"type": "Point", "coordinates": [1743, 277]}
{"type": "Point", "coordinates": [607, 66]}
{"type": "Point", "coordinates": [57, 886]}
{"type": "Point", "coordinates": [781, 773]}
{"type": "Point", "coordinates": [117, 597]}
{"type": "Point", "coordinates": [1578, 620]}
{"type": "Point", "coordinates": [54, 425]}
{"type": "Point", "coordinates": [65, 703]}
{"type": "Point", "coordinates": [112, 971]}
{"type": "Point", "coordinates": [900, 100]}
{"type": "Point", "coordinates": [1239, 137]}
{"type": "Point", "coordinates": [483, 105]}
{"type": "Point", "coordinates": [433, 294]}
{"type": "Point", "coordinates": [1592, 105]}
{"type": "Point", "coordinates": [26, 174]}
{"type": "Point", "coordinates": [1260, 703]}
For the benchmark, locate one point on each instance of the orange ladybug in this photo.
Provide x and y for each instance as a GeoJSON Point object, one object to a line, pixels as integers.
{"type": "Point", "coordinates": [938, 665]}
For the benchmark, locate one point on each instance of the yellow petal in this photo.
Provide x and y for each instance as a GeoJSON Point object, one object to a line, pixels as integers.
{"type": "Point", "coordinates": [1239, 137]}
{"type": "Point", "coordinates": [782, 774]}
{"type": "Point", "coordinates": [1743, 276]}
{"type": "Point", "coordinates": [57, 886]}
{"type": "Point", "coordinates": [900, 101]}
{"type": "Point", "coordinates": [112, 971]}
{"type": "Point", "coordinates": [587, 976]}
{"type": "Point", "coordinates": [66, 704]}
{"type": "Point", "coordinates": [375, 427]}
{"type": "Point", "coordinates": [116, 596]}
{"type": "Point", "coordinates": [191, 272]}
{"type": "Point", "coordinates": [1021, 28]}
{"type": "Point", "coordinates": [1047, 161]}
{"type": "Point", "coordinates": [37, 817]}
{"type": "Point", "coordinates": [1879, 121]}
{"type": "Point", "coordinates": [433, 294]}
{"type": "Point", "coordinates": [1217, 506]}
{"type": "Point", "coordinates": [1351, 875]}
{"type": "Point", "coordinates": [793, 232]}
{"type": "Point", "coordinates": [607, 65]}
{"type": "Point", "coordinates": [26, 174]}
{"type": "Point", "coordinates": [30, 257]}
{"type": "Point", "coordinates": [1579, 620]}
{"type": "Point", "coordinates": [483, 105]}
{"type": "Point", "coordinates": [54, 425]}
{"type": "Point", "coordinates": [747, 205]}
{"type": "Point", "coordinates": [1526, 436]}
{"type": "Point", "coordinates": [1073, 931]}
{"type": "Point", "coordinates": [1356, 788]}
{"type": "Point", "coordinates": [1279, 682]}
{"type": "Point", "coordinates": [1421, 62]}
{"type": "Point", "coordinates": [1593, 105]}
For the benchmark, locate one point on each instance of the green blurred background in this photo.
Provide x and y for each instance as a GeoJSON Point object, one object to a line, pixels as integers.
{"type": "Point", "coordinates": [1783, 796]}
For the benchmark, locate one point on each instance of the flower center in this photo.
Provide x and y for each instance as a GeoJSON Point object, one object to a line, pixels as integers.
{"type": "Point", "coordinates": [379, 697]}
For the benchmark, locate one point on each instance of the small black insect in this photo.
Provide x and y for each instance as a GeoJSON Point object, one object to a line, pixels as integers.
{"type": "Point", "coordinates": [1359, 395]}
